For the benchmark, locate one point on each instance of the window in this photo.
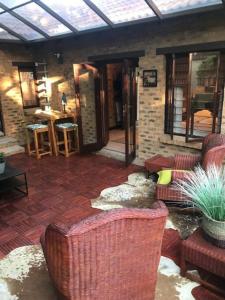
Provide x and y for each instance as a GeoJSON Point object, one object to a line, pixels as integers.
{"type": "Point", "coordinates": [194, 94]}
{"type": "Point", "coordinates": [28, 86]}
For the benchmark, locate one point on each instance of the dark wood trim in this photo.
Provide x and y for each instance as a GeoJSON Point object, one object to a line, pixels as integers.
{"type": "Point", "coordinates": [23, 64]}
{"type": "Point", "coordinates": [99, 12]}
{"type": "Point", "coordinates": [130, 103]}
{"type": "Point", "coordinates": [188, 101]}
{"type": "Point", "coordinates": [193, 11]}
{"type": "Point", "coordinates": [154, 8]}
{"type": "Point", "coordinates": [117, 56]}
{"type": "Point", "coordinates": [172, 97]}
{"type": "Point", "coordinates": [12, 42]}
{"type": "Point", "coordinates": [203, 47]}
{"type": "Point", "coordinates": [2, 118]}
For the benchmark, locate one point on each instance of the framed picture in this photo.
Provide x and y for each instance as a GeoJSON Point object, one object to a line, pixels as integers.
{"type": "Point", "coordinates": [150, 78]}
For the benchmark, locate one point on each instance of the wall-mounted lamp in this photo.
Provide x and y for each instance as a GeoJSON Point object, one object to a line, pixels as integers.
{"type": "Point", "coordinates": [59, 57]}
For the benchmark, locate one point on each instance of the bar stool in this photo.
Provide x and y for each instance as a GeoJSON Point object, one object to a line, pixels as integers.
{"type": "Point", "coordinates": [67, 136]}
{"type": "Point", "coordinates": [41, 136]}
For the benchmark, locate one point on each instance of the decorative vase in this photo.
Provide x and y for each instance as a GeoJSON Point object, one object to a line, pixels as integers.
{"type": "Point", "coordinates": [2, 167]}
{"type": "Point", "coordinates": [214, 231]}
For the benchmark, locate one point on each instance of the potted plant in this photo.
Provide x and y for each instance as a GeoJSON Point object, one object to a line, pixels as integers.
{"type": "Point", "coordinates": [207, 191]}
{"type": "Point", "coordinates": [2, 163]}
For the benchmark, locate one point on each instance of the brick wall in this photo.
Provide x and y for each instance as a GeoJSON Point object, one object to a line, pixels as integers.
{"type": "Point", "coordinates": [10, 94]}
{"type": "Point", "coordinates": [208, 27]}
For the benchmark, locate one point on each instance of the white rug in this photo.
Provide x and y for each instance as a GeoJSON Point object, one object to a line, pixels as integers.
{"type": "Point", "coordinates": [24, 276]}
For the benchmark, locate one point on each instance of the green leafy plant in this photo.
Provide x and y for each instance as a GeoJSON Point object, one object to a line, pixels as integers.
{"type": "Point", "coordinates": [2, 157]}
{"type": "Point", "coordinates": [207, 190]}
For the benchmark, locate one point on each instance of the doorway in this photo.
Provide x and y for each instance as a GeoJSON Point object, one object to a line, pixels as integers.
{"type": "Point", "coordinates": [106, 100]}
{"type": "Point", "coordinates": [115, 105]}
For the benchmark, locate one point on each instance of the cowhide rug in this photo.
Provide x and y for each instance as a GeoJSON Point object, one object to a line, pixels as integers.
{"type": "Point", "coordinates": [24, 275]}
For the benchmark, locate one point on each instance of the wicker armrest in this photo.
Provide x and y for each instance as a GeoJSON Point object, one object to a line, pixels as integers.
{"type": "Point", "coordinates": [179, 175]}
{"type": "Point", "coordinates": [186, 162]}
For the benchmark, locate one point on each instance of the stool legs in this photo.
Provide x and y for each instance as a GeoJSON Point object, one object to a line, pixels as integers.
{"type": "Point", "coordinates": [39, 143]}
{"type": "Point", "coordinates": [28, 142]}
{"type": "Point", "coordinates": [69, 141]}
{"type": "Point", "coordinates": [50, 144]}
{"type": "Point", "coordinates": [66, 143]}
{"type": "Point", "coordinates": [36, 145]}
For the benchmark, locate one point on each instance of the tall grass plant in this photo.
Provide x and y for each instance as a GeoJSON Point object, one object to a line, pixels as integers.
{"type": "Point", "coordinates": [207, 190]}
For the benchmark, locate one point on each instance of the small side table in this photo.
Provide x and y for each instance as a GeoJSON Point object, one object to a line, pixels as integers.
{"type": "Point", "coordinates": [200, 253]}
{"type": "Point", "coordinates": [158, 163]}
{"type": "Point", "coordinates": [13, 179]}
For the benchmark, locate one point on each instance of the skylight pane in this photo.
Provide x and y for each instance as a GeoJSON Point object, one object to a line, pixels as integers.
{"type": "Point", "coordinates": [171, 6]}
{"type": "Point", "coordinates": [13, 3]}
{"type": "Point", "coordinates": [119, 11]}
{"type": "Point", "coordinates": [19, 27]}
{"type": "Point", "coordinates": [40, 18]}
{"type": "Point", "coordinates": [77, 13]}
{"type": "Point", "coordinates": [4, 35]}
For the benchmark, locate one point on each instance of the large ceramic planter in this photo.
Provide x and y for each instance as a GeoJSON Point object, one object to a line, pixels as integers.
{"type": "Point", "coordinates": [2, 167]}
{"type": "Point", "coordinates": [214, 231]}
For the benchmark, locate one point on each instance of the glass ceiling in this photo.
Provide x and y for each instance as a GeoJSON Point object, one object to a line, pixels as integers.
{"type": "Point", "coordinates": [43, 19]}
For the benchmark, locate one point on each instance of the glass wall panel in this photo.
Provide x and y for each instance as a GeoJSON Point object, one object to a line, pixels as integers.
{"type": "Point", "coordinates": [204, 72]}
{"type": "Point", "coordinates": [13, 3]}
{"type": "Point", "coordinates": [171, 6]}
{"type": "Point", "coordinates": [180, 94]}
{"type": "Point", "coordinates": [4, 35]}
{"type": "Point", "coordinates": [19, 27]}
{"type": "Point", "coordinates": [40, 18]}
{"type": "Point", "coordinates": [119, 11]}
{"type": "Point", "coordinates": [77, 13]}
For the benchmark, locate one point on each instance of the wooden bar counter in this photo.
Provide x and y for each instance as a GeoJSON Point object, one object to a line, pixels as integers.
{"type": "Point", "coordinates": [51, 117]}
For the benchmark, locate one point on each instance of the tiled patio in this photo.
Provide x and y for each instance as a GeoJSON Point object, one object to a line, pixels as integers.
{"type": "Point", "coordinates": [57, 186]}
{"type": "Point", "coordinates": [61, 189]}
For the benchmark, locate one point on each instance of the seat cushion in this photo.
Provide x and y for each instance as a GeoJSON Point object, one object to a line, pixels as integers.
{"type": "Point", "coordinates": [36, 126]}
{"type": "Point", "coordinates": [67, 125]}
{"type": "Point", "coordinates": [165, 177]}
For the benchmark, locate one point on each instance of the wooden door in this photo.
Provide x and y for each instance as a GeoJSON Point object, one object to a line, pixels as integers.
{"type": "Point", "coordinates": [130, 108]}
{"type": "Point", "coordinates": [88, 104]}
{"type": "Point", "coordinates": [1, 121]}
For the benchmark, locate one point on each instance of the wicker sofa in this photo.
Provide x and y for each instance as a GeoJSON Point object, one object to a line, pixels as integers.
{"type": "Point", "coordinates": [213, 152]}
{"type": "Point", "coordinates": [112, 255]}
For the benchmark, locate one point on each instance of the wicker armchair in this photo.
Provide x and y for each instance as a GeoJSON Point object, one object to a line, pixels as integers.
{"type": "Point", "coordinates": [112, 255]}
{"type": "Point", "coordinates": [213, 152]}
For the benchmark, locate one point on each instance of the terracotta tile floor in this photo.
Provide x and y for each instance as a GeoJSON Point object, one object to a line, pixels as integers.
{"type": "Point", "coordinates": [58, 187]}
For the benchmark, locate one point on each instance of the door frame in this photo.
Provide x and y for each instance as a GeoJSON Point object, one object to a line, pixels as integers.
{"type": "Point", "coordinates": [130, 103]}
{"type": "Point", "coordinates": [101, 100]}
{"type": "Point", "coordinates": [104, 63]}
{"type": "Point", "coordinates": [94, 146]}
{"type": "Point", "coordinates": [1, 118]}
{"type": "Point", "coordinates": [134, 62]}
